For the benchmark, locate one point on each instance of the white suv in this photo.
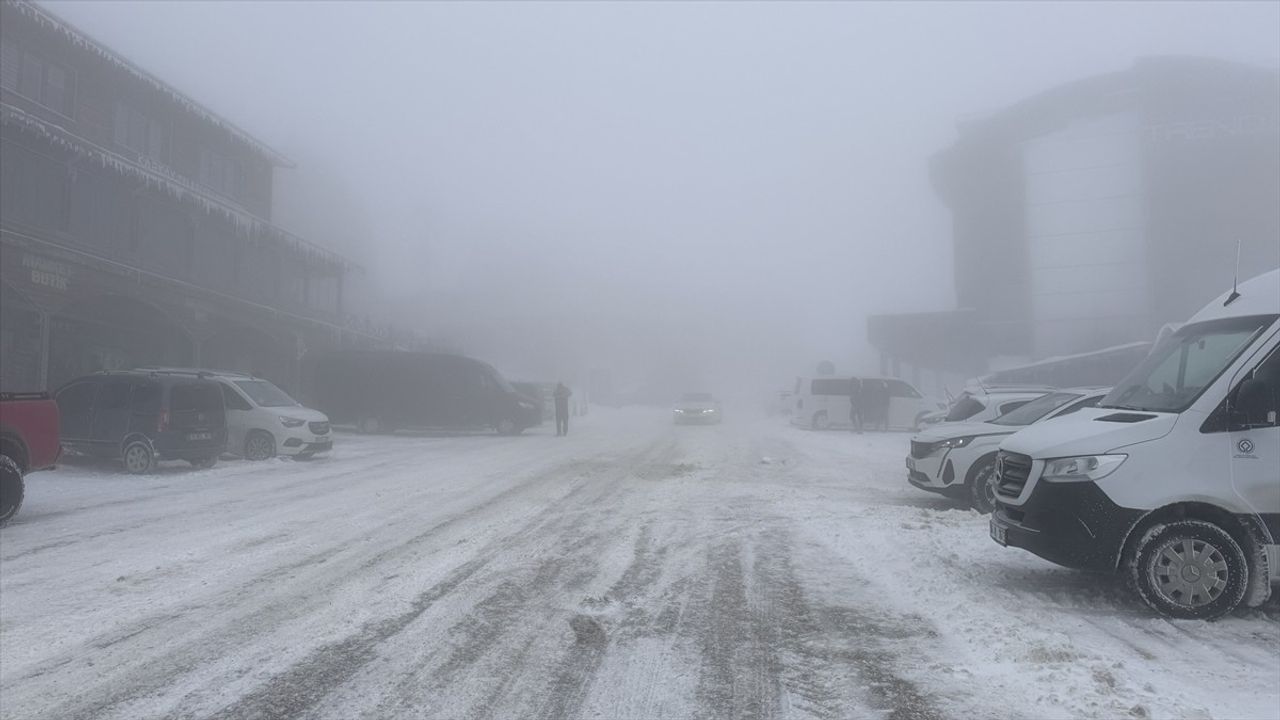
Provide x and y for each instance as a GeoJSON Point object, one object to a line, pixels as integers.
{"type": "Point", "coordinates": [958, 459]}
{"type": "Point", "coordinates": [985, 405]}
{"type": "Point", "coordinates": [262, 420]}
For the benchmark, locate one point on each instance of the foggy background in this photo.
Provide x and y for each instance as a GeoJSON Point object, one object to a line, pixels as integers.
{"type": "Point", "coordinates": [709, 194]}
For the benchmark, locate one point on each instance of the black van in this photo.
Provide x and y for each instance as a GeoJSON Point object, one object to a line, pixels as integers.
{"type": "Point", "coordinates": [142, 417]}
{"type": "Point", "coordinates": [382, 391]}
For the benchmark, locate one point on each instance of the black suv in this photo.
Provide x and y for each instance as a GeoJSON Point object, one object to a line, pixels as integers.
{"type": "Point", "coordinates": [142, 417]}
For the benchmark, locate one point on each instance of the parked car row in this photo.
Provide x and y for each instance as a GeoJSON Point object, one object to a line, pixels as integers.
{"type": "Point", "coordinates": [150, 414]}
{"type": "Point", "coordinates": [1171, 478]}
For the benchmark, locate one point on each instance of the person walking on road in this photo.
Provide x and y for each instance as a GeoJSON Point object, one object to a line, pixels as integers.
{"type": "Point", "coordinates": [855, 404]}
{"type": "Point", "coordinates": [561, 395]}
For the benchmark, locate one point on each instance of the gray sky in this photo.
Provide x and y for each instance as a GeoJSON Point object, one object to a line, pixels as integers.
{"type": "Point", "coordinates": [564, 185]}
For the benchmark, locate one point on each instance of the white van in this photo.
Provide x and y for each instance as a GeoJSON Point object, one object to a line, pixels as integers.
{"type": "Point", "coordinates": [822, 403]}
{"type": "Point", "coordinates": [1174, 478]}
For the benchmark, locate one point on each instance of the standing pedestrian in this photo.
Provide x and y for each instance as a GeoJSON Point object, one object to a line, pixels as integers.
{"type": "Point", "coordinates": [855, 404]}
{"type": "Point", "coordinates": [562, 394]}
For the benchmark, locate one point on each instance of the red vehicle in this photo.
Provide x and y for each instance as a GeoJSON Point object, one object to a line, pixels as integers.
{"type": "Point", "coordinates": [28, 442]}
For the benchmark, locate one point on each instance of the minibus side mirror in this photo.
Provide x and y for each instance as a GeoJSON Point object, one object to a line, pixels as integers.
{"type": "Point", "coordinates": [1255, 404]}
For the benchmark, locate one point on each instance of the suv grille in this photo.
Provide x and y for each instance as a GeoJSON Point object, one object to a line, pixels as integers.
{"type": "Point", "coordinates": [1012, 471]}
{"type": "Point", "coordinates": [319, 428]}
{"type": "Point", "coordinates": [921, 449]}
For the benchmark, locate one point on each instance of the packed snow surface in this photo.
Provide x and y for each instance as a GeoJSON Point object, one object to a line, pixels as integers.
{"type": "Point", "coordinates": [633, 569]}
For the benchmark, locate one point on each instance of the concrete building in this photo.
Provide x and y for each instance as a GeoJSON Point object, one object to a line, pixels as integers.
{"type": "Point", "coordinates": [1090, 215]}
{"type": "Point", "coordinates": [135, 225]}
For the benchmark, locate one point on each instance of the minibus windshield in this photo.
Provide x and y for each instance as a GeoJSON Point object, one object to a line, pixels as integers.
{"type": "Point", "coordinates": [1176, 372]}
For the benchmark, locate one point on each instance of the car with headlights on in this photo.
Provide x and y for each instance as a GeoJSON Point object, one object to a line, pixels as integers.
{"type": "Point", "coordinates": [697, 408]}
{"type": "Point", "coordinates": [958, 459]}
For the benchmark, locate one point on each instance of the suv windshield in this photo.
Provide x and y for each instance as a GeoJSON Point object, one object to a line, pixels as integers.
{"type": "Point", "coordinates": [964, 408]}
{"type": "Point", "coordinates": [264, 394]}
{"type": "Point", "coordinates": [1035, 409]}
{"type": "Point", "coordinates": [1176, 372]}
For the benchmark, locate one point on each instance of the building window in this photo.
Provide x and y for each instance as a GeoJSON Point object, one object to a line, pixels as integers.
{"type": "Point", "coordinates": [145, 137]}
{"type": "Point", "coordinates": [36, 79]}
{"type": "Point", "coordinates": [220, 173]}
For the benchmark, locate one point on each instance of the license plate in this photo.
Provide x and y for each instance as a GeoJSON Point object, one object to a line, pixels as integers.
{"type": "Point", "coordinates": [911, 463]}
{"type": "Point", "coordinates": [199, 436]}
{"type": "Point", "coordinates": [999, 533]}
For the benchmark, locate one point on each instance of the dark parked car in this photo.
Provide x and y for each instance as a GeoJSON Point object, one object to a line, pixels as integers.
{"type": "Point", "coordinates": [382, 391]}
{"type": "Point", "coordinates": [144, 416]}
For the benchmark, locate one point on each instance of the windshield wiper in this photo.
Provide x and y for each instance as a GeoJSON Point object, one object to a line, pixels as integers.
{"type": "Point", "coordinates": [1124, 407]}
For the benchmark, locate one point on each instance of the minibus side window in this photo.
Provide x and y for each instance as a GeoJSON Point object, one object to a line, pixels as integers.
{"type": "Point", "coordinates": [1227, 416]}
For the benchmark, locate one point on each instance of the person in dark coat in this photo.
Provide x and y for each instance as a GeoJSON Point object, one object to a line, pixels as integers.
{"type": "Point", "coordinates": [561, 395]}
{"type": "Point", "coordinates": [855, 404]}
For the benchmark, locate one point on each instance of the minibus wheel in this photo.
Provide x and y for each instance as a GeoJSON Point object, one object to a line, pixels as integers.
{"type": "Point", "coordinates": [1189, 569]}
{"type": "Point", "coordinates": [820, 421]}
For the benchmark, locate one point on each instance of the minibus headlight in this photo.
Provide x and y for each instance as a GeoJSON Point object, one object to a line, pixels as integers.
{"type": "Point", "coordinates": [292, 422]}
{"type": "Point", "coordinates": [1085, 468]}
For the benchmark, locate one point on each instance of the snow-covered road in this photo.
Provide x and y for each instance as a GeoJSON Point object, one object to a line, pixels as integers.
{"type": "Point", "coordinates": [631, 570]}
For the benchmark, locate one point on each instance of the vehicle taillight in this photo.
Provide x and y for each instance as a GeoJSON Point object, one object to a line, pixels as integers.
{"type": "Point", "coordinates": [164, 421]}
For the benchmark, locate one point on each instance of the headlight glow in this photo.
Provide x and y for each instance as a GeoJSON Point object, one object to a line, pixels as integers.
{"type": "Point", "coordinates": [957, 442]}
{"type": "Point", "coordinates": [1084, 468]}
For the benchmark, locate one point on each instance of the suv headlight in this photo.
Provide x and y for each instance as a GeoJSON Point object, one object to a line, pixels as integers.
{"type": "Point", "coordinates": [956, 442]}
{"type": "Point", "coordinates": [1085, 468]}
{"type": "Point", "coordinates": [292, 422]}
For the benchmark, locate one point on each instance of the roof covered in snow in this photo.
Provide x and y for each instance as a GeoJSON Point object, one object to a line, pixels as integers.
{"type": "Point", "coordinates": [45, 18]}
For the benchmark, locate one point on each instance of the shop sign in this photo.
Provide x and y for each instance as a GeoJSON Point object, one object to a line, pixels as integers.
{"type": "Point", "coordinates": [46, 272]}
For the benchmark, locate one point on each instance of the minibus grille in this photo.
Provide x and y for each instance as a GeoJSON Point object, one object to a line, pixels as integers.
{"type": "Point", "coordinates": [1012, 471]}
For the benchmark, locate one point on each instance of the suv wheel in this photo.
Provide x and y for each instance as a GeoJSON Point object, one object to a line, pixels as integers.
{"type": "Point", "coordinates": [507, 426]}
{"type": "Point", "coordinates": [259, 445]}
{"type": "Point", "coordinates": [1189, 569]}
{"type": "Point", "coordinates": [138, 458]}
{"type": "Point", "coordinates": [11, 489]}
{"type": "Point", "coordinates": [982, 486]}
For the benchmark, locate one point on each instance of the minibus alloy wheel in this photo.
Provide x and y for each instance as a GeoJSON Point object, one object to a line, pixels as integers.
{"type": "Point", "coordinates": [1189, 569]}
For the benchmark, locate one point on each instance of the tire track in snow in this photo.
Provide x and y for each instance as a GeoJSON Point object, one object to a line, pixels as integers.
{"type": "Point", "coordinates": [296, 692]}
{"type": "Point", "coordinates": [150, 676]}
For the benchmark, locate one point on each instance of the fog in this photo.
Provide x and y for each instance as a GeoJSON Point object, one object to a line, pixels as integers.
{"type": "Point", "coordinates": [687, 194]}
